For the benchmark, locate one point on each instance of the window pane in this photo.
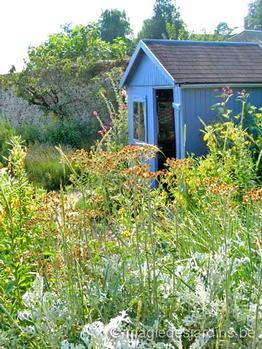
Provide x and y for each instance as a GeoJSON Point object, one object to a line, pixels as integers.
{"type": "Point", "coordinates": [139, 121]}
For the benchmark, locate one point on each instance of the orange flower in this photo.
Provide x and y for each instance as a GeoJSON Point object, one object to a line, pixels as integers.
{"type": "Point", "coordinates": [222, 189]}
{"type": "Point", "coordinates": [254, 195]}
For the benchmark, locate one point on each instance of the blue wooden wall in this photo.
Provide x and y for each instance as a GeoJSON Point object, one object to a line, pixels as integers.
{"type": "Point", "coordinates": [145, 77]}
{"type": "Point", "coordinates": [146, 73]}
{"type": "Point", "coordinates": [197, 103]}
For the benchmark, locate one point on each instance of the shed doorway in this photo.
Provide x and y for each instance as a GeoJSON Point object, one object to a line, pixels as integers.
{"type": "Point", "coordinates": [165, 126]}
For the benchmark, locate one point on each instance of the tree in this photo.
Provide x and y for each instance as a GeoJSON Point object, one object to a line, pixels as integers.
{"type": "Point", "coordinates": [75, 45]}
{"type": "Point", "coordinates": [223, 31]}
{"type": "Point", "coordinates": [254, 17]}
{"type": "Point", "coordinates": [114, 24]}
{"type": "Point", "coordinates": [65, 63]}
{"type": "Point", "coordinates": [166, 22]}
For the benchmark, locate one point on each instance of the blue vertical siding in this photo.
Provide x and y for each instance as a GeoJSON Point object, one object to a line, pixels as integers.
{"type": "Point", "coordinates": [190, 105]}
{"type": "Point", "coordinates": [134, 94]}
{"type": "Point", "coordinates": [179, 123]}
{"type": "Point", "coordinates": [145, 77]}
{"type": "Point", "coordinates": [148, 74]}
{"type": "Point", "coordinates": [142, 82]}
{"type": "Point", "coordinates": [196, 105]}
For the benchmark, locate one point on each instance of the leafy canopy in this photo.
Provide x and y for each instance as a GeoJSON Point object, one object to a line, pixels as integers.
{"type": "Point", "coordinates": [68, 57]}
{"type": "Point", "coordinates": [221, 33]}
{"type": "Point", "coordinates": [114, 24]}
{"type": "Point", "coordinates": [166, 22]}
{"type": "Point", "coordinates": [254, 17]}
{"type": "Point", "coordinates": [79, 44]}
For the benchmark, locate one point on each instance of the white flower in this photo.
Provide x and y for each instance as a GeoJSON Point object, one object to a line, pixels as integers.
{"type": "Point", "coordinates": [201, 292]}
{"type": "Point", "coordinates": [31, 298]}
{"type": "Point", "coordinates": [24, 315]}
{"type": "Point", "coordinates": [66, 345]}
{"type": "Point", "coordinates": [115, 323]}
{"type": "Point", "coordinates": [93, 333]}
{"type": "Point", "coordinates": [110, 336]}
{"type": "Point", "coordinates": [29, 330]}
{"type": "Point", "coordinates": [175, 335]}
{"type": "Point", "coordinates": [202, 339]}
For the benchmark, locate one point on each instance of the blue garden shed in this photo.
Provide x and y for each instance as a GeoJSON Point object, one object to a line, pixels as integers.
{"type": "Point", "coordinates": [171, 85]}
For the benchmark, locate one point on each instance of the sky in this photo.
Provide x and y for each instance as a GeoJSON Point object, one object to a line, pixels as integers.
{"type": "Point", "coordinates": [25, 23]}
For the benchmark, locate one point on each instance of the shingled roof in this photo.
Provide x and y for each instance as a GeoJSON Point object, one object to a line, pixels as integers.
{"type": "Point", "coordinates": [209, 62]}
{"type": "Point", "coordinates": [247, 35]}
{"type": "Point", "coordinates": [196, 62]}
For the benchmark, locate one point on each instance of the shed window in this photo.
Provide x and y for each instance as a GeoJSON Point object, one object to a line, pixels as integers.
{"type": "Point", "coordinates": [139, 120]}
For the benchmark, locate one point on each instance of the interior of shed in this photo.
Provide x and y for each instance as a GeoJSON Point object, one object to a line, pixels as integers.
{"type": "Point", "coordinates": [166, 126]}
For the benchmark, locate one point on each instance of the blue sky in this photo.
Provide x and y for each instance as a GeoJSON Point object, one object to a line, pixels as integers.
{"type": "Point", "coordinates": [28, 22]}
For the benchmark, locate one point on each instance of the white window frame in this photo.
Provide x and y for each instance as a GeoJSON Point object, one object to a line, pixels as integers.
{"type": "Point", "coordinates": [144, 101]}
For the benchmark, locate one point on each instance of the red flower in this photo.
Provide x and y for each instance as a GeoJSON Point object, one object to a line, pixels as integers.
{"type": "Point", "coordinates": [106, 127]}
{"type": "Point", "coordinates": [123, 93]}
{"type": "Point", "coordinates": [123, 106]}
{"type": "Point", "coordinates": [104, 130]}
{"type": "Point", "coordinates": [227, 91]}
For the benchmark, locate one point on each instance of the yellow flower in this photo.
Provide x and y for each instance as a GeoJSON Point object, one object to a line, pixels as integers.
{"type": "Point", "coordinates": [126, 234]}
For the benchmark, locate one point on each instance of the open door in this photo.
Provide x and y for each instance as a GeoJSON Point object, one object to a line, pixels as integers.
{"type": "Point", "coordinates": [165, 126]}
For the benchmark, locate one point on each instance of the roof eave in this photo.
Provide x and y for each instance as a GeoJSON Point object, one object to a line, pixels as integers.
{"type": "Point", "coordinates": [130, 65]}
{"type": "Point", "coordinates": [185, 85]}
{"type": "Point", "coordinates": [142, 46]}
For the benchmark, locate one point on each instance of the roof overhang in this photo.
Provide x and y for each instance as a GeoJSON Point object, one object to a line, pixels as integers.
{"type": "Point", "coordinates": [142, 47]}
{"type": "Point", "coordinates": [221, 85]}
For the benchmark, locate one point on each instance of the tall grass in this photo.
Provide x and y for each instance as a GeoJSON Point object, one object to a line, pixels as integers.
{"type": "Point", "coordinates": [131, 267]}
{"type": "Point", "coordinates": [44, 166]}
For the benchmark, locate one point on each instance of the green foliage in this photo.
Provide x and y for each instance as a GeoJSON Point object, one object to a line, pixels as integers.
{"type": "Point", "coordinates": [256, 129]}
{"type": "Point", "coordinates": [114, 130]}
{"type": "Point", "coordinates": [156, 268]}
{"type": "Point", "coordinates": [52, 131]}
{"type": "Point", "coordinates": [254, 17]}
{"type": "Point", "coordinates": [232, 164]}
{"type": "Point", "coordinates": [69, 132]}
{"type": "Point", "coordinates": [6, 133]}
{"type": "Point", "coordinates": [223, 30]}
{"type": "Point", "coordinates": [30, 133]}
{"type": "Point", "coordinates": [221, 33]}
{"type": "Point", "coordinates": [248, 120]}
{"type": "Point", "coordinates": [20, 230]}
{"type": "Point", "coordinates": [44, 168]}
{"type": "Point", "coordinates": [228, 167]}
{"type": "Point", "coordinates": [57, 70]}
{"type": "Point", "coordinates": [80, 44]}
{"type": "Point", "coordinates": [230, 157]}
{"type": "Point", "coordinates": [114, 24]}
{"type": "Point", "coordinates": [166, 23]}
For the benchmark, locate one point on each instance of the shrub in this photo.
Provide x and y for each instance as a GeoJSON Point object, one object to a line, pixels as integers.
{"type": "Point", "coordinates": [135, 267]}
{"type": "Point", "coordinates": [21, 230]}
{"type": "Point", "coordinates": [189, 278]}
{"type": "Point", "coordinates": [44, 167]}
{"type": "Point", "coordinates": [114, 130]}
{"type": "Point", "coordinates": [31, 133]}
{"type": "Point", "coordinates": [70, 132]}
{"type": "Point", "coordinates": [7, 131]}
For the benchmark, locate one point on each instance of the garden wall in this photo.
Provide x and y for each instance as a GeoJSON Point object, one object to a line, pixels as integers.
{"type": "Point", "coordinates": [80, 95]}
{"type": "Point", "coordinates": [18, 110]}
